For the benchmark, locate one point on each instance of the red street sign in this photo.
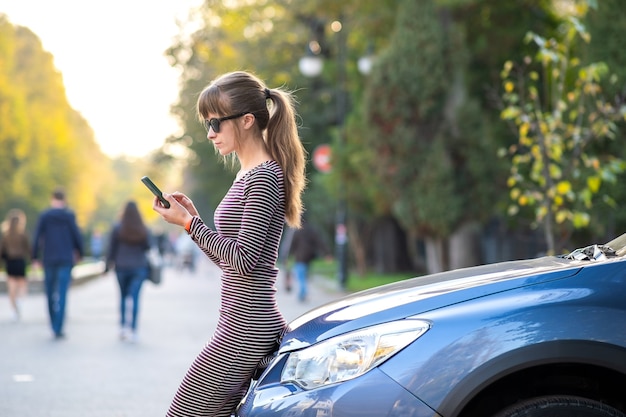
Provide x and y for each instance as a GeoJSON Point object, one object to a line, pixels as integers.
{"type": "Point", "coordinates": [321, 158]}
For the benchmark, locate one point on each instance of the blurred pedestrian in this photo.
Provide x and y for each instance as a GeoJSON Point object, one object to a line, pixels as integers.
{"type": "Point", "coordinates": [306, 245]}
{"type": "Point", "coordinates": [15, 253]}
{"type": "Point", "coordinates": [283, 261]}
{"type": "Point", "coordinates": [96, 244]}
{"type": "Point", "coordinates": [162, 242]}
{"type": "Point", "coordinates": [186, 251]}
{"type": "Point", "coordinates": [58, 237]}
{"type": "Point", "coordinates": [129, 243]}
{"type": "Point", "coordinates": [256, 126]}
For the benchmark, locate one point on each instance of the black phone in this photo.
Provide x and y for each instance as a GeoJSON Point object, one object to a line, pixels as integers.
{"type": "Point", "coordinates": [155, 190]}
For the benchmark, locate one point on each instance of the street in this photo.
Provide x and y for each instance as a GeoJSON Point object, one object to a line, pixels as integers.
{"type": "Point", "coordinates": [92, 373]}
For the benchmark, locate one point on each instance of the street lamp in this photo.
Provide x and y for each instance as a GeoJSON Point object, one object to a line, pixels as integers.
{"type": "Point", "coordinates": [311, 65]}
{"type": "Point", "coordinates": [365, 63]}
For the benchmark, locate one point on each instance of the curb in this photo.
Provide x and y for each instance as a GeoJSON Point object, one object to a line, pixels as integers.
{"type": "Point", "coordinates": [82, 273]}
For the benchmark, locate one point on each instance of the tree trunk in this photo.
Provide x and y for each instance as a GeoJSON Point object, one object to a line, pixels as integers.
{"type": "Point", "coordinates": [418, 263]}
{"type": "Point", "coordinates": [357, 244]}
{"type": "Point", "coordinates": [389, 253]}
{"type": "Point", "coordinates": [548, 229]}
{"type": "Point", "coordinates": [464, 246]}
{"type": "Point", "coordinates": [434, 255]}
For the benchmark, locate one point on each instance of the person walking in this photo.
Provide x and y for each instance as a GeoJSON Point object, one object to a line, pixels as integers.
{"type": "Point", "coordinates": [58, 237]}
{"type": "Point", "coordinates": [256, 127]}
{"type": "Point", "coordinates": [96, 244]}
{"type": "Point", "coordinates": [186, 251]}
{"type": "Point", "coordinates": [306, 245]}
{"type": "Point", "coordinates": [15, 253]}
{"type": "Point", "coordinates": [129, 243]}
{"type": "Point", "coordinates": [284, 262]}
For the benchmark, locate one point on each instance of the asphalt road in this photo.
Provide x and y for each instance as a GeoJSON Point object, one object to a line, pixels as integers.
{"type": "Point", "coordinates": [92, 373]}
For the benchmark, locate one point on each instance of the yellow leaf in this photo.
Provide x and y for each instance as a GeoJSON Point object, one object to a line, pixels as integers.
{"type": "Point", "coordinates": [561, 216]}
{"type": "Point", "coordinates": [594, 184]}
{"type": "Point", "coordinates": [580, 220]}
{"type": "Point", "coordinates": [558, 201]}
{"type": "Point", "coordinates": [523, 130]}
{"type": "Point", "coordinates": [563, 187]}
{"type": "Point", "coordinates": [536, 151]}
{"type": "Point", "coordinates": [523, 200]}
{"type": "Point", "coordinates": [525, 141]}
{"type": "Point", "coordinates": [508, 86]}
{"type": "Point", "coordinates": [509, 113]}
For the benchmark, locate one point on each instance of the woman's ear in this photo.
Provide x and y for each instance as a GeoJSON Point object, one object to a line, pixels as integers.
{"type": "Point", "coordinates": [248, 120]}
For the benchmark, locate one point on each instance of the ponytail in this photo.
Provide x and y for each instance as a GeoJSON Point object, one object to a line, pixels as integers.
{"type": "Point", "coordinates": [285, 147]}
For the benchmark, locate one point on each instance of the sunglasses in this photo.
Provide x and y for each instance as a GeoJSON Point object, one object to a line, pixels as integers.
{"type": "Point", "coordinates": [215, 123]}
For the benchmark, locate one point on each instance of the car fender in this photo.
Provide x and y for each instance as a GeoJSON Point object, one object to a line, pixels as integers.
{"type": "Point", "coordinates": [571, 351]}
{"type": "Point", "coordinates": [501, 334]}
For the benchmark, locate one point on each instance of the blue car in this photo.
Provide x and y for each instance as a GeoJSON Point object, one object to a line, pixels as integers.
{"type": "Point", "coordinates": [542, 337]}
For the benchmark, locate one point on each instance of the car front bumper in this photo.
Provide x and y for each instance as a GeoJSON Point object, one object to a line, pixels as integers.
{"type": "Point", "coordinates": [372, 394]}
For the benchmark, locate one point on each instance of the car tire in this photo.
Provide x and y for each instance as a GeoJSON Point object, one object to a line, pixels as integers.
{"type": "Point", "coordinates": [559, 406]}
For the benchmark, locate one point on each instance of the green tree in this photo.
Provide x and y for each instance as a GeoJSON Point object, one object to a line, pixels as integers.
{"type": "Point", "coordinates": [45, 143]}
{"type": "Point", "coordinates": [559, 112]}
{"type": "Point", "coordinates": [424, 136]}
{"type": "Point", "coordinates": [605, 24]}
{"type": "Point", "coordinates": [477, 43]}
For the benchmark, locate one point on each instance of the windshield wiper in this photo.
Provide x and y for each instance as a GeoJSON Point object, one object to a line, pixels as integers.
{"type": "Point", "coordinates": [592, 253]}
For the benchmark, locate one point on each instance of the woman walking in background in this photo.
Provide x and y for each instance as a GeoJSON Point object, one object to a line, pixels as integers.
{"type": "Point", "coordinates": [14, 250]}
{"type": "Point", "coordinates": [127, 254]}
{"type": "Point", "coordinates": [257, 126]}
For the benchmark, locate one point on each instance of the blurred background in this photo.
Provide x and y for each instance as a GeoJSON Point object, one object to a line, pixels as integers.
{"type": "Point", "coordinates": [441, 133]}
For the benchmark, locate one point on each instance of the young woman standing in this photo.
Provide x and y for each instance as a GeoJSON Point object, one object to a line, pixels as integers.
{"type": "Point", "coordinates": [256, 126]}
{"type": "Point", "coordinates": [15, 250]}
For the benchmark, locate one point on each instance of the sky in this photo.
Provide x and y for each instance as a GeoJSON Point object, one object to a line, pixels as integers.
{"type": "Point", "coordinates": [111, 56]}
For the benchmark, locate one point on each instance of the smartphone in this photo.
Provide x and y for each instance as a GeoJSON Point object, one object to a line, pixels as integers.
{"type": "Point", "coordinates": [155, 190]}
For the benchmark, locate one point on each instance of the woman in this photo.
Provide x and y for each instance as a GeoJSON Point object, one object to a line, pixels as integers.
{"type": "Point", "coordinates": [255, 126]}
{"type": "Point", "coordinates": [128, 245]}
{"type": "Point", "coordinates": [15, 249]}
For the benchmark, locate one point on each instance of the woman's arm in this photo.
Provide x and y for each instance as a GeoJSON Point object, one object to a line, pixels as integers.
{"type": "Point", "coordinates": [262, 198]}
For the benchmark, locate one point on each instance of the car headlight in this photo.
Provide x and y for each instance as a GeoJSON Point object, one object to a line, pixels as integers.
{"type": "Point", "coordinates": [350, 355]}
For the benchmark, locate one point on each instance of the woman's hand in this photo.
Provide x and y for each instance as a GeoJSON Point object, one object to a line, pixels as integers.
{"type": "Point", "coordinates": [185, 202]}
{"type": "Point", "coordinates": [181, 209]}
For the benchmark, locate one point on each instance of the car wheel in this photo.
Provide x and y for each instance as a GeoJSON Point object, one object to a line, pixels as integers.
{"type": "Point", "coordinates": [559, 406]}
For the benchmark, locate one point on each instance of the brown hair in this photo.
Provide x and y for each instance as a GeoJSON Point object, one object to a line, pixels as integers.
{"type": "Point", "coordinates": [58, 194]}
{"type": "Point", "coordinates": [15, 240]}
{"type": "Point", "coordinates": [132, 229]}
{"type": "Point", "coordinates": [242, 92]}
{"type": "Point", "coordinates": [15, 223]}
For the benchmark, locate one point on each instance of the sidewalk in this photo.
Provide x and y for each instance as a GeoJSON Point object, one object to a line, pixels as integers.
{"type": "Point", "coordinates": [92, 373]}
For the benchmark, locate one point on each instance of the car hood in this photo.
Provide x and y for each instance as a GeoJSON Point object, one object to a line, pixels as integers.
{"type": "Point", "coordinates": [418, 295]}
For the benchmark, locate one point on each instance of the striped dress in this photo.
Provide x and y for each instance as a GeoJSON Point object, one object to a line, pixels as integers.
{"type": "Point", "coordinates": [249, 223]}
